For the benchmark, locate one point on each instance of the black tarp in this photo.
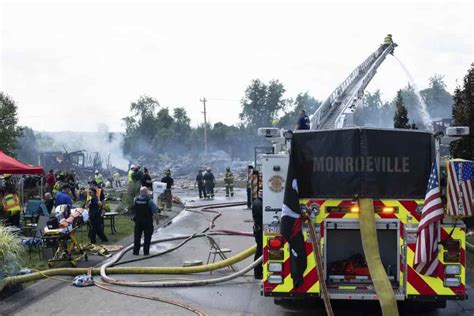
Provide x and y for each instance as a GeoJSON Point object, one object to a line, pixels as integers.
{"type": "Point", "coordinates": [362, 162]}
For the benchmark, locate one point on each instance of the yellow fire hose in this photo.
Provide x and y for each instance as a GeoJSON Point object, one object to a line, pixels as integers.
{"type": "Point", "coordinates": [368, 232]}
{"type": "Point", "coordinates": [129, 270]}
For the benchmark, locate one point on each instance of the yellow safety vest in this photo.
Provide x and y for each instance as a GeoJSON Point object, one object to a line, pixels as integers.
{"type": "Point", "coordinates": [130, 175]}
{"type": "Point", "coordinates": [57, 187]}
{"type": "Point", "coordinates": [11, 204]}
{"type": "Point", "coordinates": [98, 178]}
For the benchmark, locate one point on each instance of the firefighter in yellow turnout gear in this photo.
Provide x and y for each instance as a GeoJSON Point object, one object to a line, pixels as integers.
{"type": "Point", "coordinates": [11, 208]}
{"type": "Point", "coordinates": [229, 182]}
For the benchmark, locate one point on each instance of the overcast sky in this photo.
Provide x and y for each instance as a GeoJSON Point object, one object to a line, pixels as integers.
{"type": "Point", "coordinates": [71, 66]}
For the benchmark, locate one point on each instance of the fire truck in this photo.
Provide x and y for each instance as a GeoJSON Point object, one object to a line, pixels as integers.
{"type": "Point", "coordinates": [336, 163]}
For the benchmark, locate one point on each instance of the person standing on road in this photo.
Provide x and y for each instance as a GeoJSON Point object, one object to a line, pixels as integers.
{"type": "Point", "coordinates": [145, 210]}
{"type": "Point", "coordinates": [249, 185]}
{"type": "Point", "coordinates": [200, 184]}
{"type": "Point", "coordinates": [96, 223]}
{"type": "Point", "coordinates": [229, 182]}
{"type": "Point", "coordinates": [209, 180]}
{"type": "Point", "coordinates": [303, 121]}
{"type": "Point", "coordinates": [257, 215]}
{"type": "Point", "coordinates": [168, 196]}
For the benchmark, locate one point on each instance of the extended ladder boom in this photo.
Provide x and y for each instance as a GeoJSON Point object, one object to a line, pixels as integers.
{"type": "Point", "coordinates": [337, 110]}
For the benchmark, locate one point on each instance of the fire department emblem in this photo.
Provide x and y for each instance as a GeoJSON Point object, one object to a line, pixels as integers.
{"type": "Point", "coordinates": [276, 183]}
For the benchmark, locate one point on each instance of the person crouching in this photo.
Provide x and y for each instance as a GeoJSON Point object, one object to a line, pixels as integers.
{"type": "Point", "coordinates": [145, 210]}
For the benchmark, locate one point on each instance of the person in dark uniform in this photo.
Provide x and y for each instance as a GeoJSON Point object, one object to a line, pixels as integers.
{"type": "Point", "coordinates": [168, 196]}
{"type": "Point", "coordinates": [257, 215]}
{"type": "Point", "coordinates": [145, 210]}
{"type": "Point", "coordinates": [209, 180]}
{"type": "Point", "coordinates": [96, 223]}
{"type": "Point", "coordinates": [249, 186]}
{"type": "Point", "coordinates": [303, 121]}
{"type": "Point", "coordinates": [146, 180]}
{"type": "Point", "coordinates": [200, 184]}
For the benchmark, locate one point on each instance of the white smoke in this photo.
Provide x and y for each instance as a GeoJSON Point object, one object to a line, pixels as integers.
{"type": "Point", "coordinates": [425, 116]}
{"type": "Point", "coordinates": [108, 145]}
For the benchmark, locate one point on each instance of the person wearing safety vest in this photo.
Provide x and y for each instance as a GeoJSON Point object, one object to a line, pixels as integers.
{"type": "Point", "coordinates": [116, 177]}
{"type": "Point", "coordinates": [96, 222]}
{"type": "Point", "coordinates": [11, 208]}
{"type": "Point", "coordinates": [98, 178]}
{"type": "Point", "coordinates": [98, 192]}
{"type": "Point", "coordinates": [229, 182]}
{"type": "Point", "coordinates": [58, 185]}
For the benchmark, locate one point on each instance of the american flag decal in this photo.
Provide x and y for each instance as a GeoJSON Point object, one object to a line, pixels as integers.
{"type": "Point", "coordinates": [459, 190]}
{"type": "Point", "coordinates": [426, 251]}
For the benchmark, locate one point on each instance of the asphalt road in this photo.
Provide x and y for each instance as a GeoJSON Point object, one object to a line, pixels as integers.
{"type": "Point", "coordinates": [238, 297]}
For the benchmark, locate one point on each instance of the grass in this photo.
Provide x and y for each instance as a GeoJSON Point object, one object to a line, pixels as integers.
{"type": "Point", "coordinates": [123, 224]}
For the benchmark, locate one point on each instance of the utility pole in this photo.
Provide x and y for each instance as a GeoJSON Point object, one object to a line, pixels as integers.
{"type": "Point", "coordinates": [203, 100]}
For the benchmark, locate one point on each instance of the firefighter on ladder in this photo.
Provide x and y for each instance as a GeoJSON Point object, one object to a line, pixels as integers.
{"type": "Point", "coordinates": [229, 182]}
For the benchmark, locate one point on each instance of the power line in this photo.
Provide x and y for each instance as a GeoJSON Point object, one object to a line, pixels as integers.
{"type": "Point", "coordinates": [203, 100]}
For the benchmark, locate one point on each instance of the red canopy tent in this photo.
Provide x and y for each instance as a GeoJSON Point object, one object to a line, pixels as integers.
{"type": "Point", "coordinates": [9, 165]}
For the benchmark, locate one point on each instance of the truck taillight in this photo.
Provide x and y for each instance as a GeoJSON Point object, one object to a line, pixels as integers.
{"type": "Point", "coordinates": [452, 250]}
{"type": "Point", "coordinates": [452, 282]}
{"type": "Point", "coordinates": [452, 257]}
{"type": "Point", "coordinates": [275, 242]}
{"type": "Point", "coordinates": [451, 244]}
{"type": "Point", "coordinates": [388, 210]}
{"type": "Point", "coordinates": [275, 254]}
{"type": "Point", "coordinates": [354, 209]}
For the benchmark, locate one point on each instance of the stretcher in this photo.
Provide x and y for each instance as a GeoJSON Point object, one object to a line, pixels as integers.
{"type": "Point", "coordinates": [63, 238]}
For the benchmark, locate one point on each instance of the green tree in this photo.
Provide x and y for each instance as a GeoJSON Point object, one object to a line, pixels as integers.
{"type": "Point", "coordinates": [28, 146]}
{"type": "Point", "coordinates": [438, 99]}
{"type": "Point", "coordinates": [463, 115]}
{"type": "Point", "coordinates": [400, 119]}
{"type": "Point", "coordinates": [141, 126]}
{"type": "Point", "coordinates": [373, 111]}
{"type": "Point", "coordinates": [303, 101]}
{"type": "Point", "coordinates": [261, 103]}
{"type": "Point", "coordinates": [9, 128]}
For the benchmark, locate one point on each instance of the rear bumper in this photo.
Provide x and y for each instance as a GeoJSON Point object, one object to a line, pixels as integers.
{"type": "Point", "coordinates": [361, 295]}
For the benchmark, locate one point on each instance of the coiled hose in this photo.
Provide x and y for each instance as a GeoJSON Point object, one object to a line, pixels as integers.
{"type": "Point", "coordinates": [115, 260]}
{"type": "Point", "coordinates": [141, 270]}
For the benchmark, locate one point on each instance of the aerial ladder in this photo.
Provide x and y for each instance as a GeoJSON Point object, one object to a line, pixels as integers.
{"type": "Point", "coordinates": [336, 112]}
{"type": "Point", "coordinates": [338, 109]}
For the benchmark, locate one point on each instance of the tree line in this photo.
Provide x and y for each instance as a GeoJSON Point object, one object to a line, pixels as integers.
{"type": "Point", "coordinates": [153, 130]}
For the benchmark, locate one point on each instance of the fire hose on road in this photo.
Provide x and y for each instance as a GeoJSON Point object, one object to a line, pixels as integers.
{"type": "Point", "coordinates": [109, 268]}
{"type": "Point", "coordinates": [146, 270]}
